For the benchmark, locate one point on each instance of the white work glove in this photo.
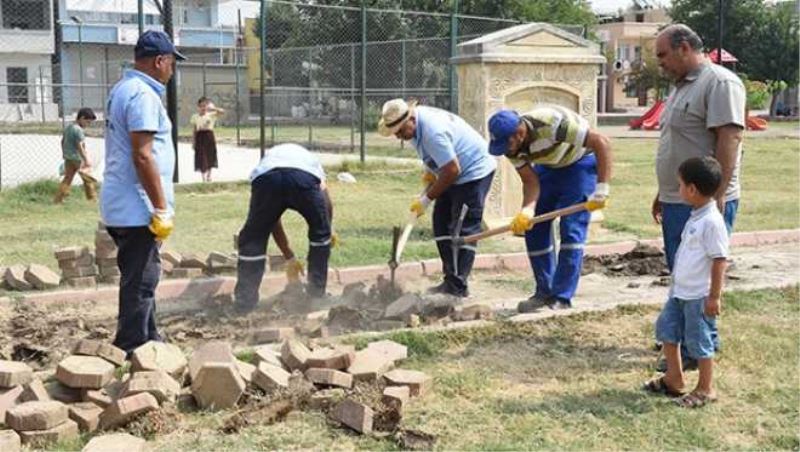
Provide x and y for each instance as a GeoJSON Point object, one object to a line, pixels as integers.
{"type": "Point", "coordinates": [419, 206]}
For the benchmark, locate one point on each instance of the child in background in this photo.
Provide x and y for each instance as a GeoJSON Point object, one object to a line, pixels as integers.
{"type": "Point", "coordinates": [76, 161]}
{"type": "Point", "coordinates": [203, 140]}
{"type": "Point", "coordinates": [694, 301]}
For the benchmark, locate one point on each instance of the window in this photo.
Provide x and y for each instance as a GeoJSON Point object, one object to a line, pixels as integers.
{"type": "Point", "coordinates": [17, 79]}
{"type": "Point", "coordinates": [26, 14]}
{"type": "Point", "coordinates": [639, 17]}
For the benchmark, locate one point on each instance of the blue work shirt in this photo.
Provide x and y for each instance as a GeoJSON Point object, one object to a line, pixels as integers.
{"type": "Point", "coordinates": [289, 155]}
{"type": "Point", "coordinates": [134, 105]}
{"type": "Point", "coordinates": [442, 136]}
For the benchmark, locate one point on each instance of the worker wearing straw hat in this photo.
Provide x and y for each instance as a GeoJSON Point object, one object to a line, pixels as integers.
{"type": "Point", "coordinates": [458, 171]}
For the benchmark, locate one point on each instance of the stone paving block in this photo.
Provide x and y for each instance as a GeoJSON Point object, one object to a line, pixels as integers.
{"type": "Point", "coordinates": [13, 373]}
{"type": "Point", "coordinates": [107, 263]}
{"type": "Point", "coordinates": [105, 248]}
{"type": "Point", "coordinates": [41, 277]}
{"type": "Point", "coordinates": [167, 267]}
{"type": "Point", "coordinates": [70, 252]}
{"type": "Point", "coordinates": [85, 260]}
{"type": "Point", "coordinates": [113, 280]}
{"type": "Point", "coordinates": [326, 398]}
{"type": "Point", "coordinates": [268, 335]}
{"type": "Point", "coordinates": [86, 282]}
{"type": "Point", "coordinates": [86, 415]}
{"type": "Point", "coordinates": [328, 358]}
{"type": "Point", "coordinates": [173, 257]}
{"type": "Point", "coordinates": [87, 347]}
{"type": "Point", "coordinates": [391, 349]}
{"type": "Point", "coordinates": [107, 272]}
{"type": "Point", "coordinates": [156, 382]}
{"type": "Point", "coordinates": [369, 365]}
{"type": "Point", "coordinates": [79, 272]}
{"type": "Point", "coordinates": [97, 396]}
{"type": "Point", "coordinates": [418, 383]}
{"type": "Point", "coordinates": [218, 386]}
{"type": "Point", "coordinates": [269, 377]}
{"type": "Point", "coordinates": [186, 273]}
{"type": "Point", "coordinates": [159, 355]}
{"type": "Point", "coordinates": [354, 415]}
{"type": "Point", "coordinates": [329, 377]}
{"type": "Point", "coordinates": [10, 441]}
{"type": "Point", "coordinates": [294, 354]}
{"type": "Point", "coordinates": [36, 415]}
{"type": "Point", "coordinates": [396, 396]}
{"type": "Point", "coordinates": [63, 393]}
{"type": "Point", "coordinates": [34, 392]}
{"type": "Point", "coordinates": [2, 277]}
{"type": "Point", "coordinates": [115, 442]}
{"type": "Point", "coordinates": [14, 278]}
{"type": "Point", "coordinates": [68, 264]}
{"type": "Point", "coordinates": [8, 399]}
{"type": "Point", "coordinates": [268, 355]}
{"type": "Point", "coordinates": [125, 409]}
{"type": "Point", "coordinates": [112, 354]}
{"type": "Point", "coordinates": [246, 371]}
{"type": "Point", "coordinates": [191, 260]}
{"type": "Point", "coordinates": [41, 438]}
{"type": "Point", "coordinates": [84, 372]}
{"type": "Point", "coordinates": [215, 351]}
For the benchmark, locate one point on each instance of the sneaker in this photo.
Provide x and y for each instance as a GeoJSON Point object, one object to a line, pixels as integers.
{"type": "Point", "coordinates": [533, 304]}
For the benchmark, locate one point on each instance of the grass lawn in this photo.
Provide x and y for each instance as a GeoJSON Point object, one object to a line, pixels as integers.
{"type": "Point", "coordinates": [209, 215]}
{"type": "Point", "coordinates": [570, 383]}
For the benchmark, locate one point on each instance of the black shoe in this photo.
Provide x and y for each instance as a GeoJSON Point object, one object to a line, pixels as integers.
{"type": "Point", "coordinates": [534, 303]}
{"type": "Point", "coordinates": [448, 289]}
{"type": "Point", "coordinates": [439, 288]}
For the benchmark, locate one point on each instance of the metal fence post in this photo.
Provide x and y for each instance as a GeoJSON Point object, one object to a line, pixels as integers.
{"type": "Point", "coordinates": [310, 96]}
{"type": "Point", "coordinates": [452, 68]}
{"type": "Point", "coordinates": [261, 63]}
{"type": "Point", "coordinates": [140, 10]}
{"type": "Point", "coordinates": [238, 56]}
{"type": "Point", "coordinates": [272, 124]}
{"type": "Point", "coordinates": [353, 98]}
{"type": "Point", "coordinates": [363, 122]}
{"type": "Point", "coordinates": [172, 89]}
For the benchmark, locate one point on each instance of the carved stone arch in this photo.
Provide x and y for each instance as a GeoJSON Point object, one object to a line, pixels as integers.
{"type": "Point", "coordinates": [524, 98]}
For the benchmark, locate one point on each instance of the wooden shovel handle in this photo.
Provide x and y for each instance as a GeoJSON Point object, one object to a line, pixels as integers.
{"type": "Point", "coordinates": [537, 219]}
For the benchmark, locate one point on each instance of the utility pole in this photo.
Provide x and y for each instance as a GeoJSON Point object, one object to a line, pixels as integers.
{"type": "Point", "coordinates": [172, 86]}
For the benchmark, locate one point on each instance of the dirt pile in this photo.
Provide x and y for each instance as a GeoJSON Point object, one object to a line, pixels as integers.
{"type": "Point", "coordinates": [643, 260]}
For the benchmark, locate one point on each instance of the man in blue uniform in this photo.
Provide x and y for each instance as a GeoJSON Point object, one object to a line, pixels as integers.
{"type": "Point", "coordinates": [137, 202]}
{"type": "Point", "coordinates": [561, 162]}
{"type": "Point", "coordinates": [288, 177]}
{"type": "Point", "coordinates": [459, 170]}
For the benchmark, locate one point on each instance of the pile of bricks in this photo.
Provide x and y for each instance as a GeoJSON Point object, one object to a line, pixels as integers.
{"type": "Point", "coordinates": [77, 266]}
{"type": "Point", "coordinates": [34, 276]}
{"type": "Point", "coordinates": [105, 251]}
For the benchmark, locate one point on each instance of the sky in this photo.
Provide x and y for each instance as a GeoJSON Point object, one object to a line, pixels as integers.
{"type": "Point", "coordinates": [605, 6]}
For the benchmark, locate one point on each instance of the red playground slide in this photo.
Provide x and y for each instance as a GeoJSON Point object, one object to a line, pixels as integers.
{"type": "Point", "coordinates": [755, 123]}
{"type": "Point", "coordinates": [649, 120]}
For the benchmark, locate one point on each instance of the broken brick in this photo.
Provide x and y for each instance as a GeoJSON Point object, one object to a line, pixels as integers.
{"type": "Point", "coordinates": [191, 260]}
{"type": "Point", "coordinates": [156, 382]}
{"type": "Point", "coordinates": [34, 392]}
{"type": "Point", "coordinates": [327, 358]}
{"type": "Point", "coordinates": [268, 355]}
{"type": "Point", "coordinates": [125, 409]}
{"type": "Point", "coordinates": [294, 354]}
{"type": "Point", "coordinates": [396, 396]}
{"type": "Point", "coordinates": [217, 386]}
{"type": "Point", "coordinates": [369, 365]}
{"type": "Point", "coordinates": [112, 354]}
{"type": "Point", "coordinates": [87, 347]}
{"type": "Point", "coordinates": [71, 252]}
{"type": "Point", "coordinates": [246, 370]}
{"type": "Point", "coordinates": [97, 396]}
{"type": "Point", "coordinates": [84, 372]}
{"type": "Point", "coordinates": [15, 278]}
{"type": "Point", "coordinates": [159, 356]}
{"type": "Point", "coordinates": [86, 415]}
{"type": "Point", "coordinates": [329, 377]}
{"type": "Point", "coordinates": [13, 373]}
{"type": "Point", "coordinates": [269, 377]}
{"type": "Point", "coordinates": [390, 349]}
{"type": "Point", "coordinates": [173, 257]}
{"type": "Point", "coordinates": [418, 383]}
{"type": "Point", "coordinates": [36, 415]}
{"type": "Point", "coordinates": [39, 438]}
{"type": "Point", "coordinates": [354, 415]}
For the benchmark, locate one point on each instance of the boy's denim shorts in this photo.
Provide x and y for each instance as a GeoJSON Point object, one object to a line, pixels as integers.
{"type": "Point", "coordinates": [683, 321]}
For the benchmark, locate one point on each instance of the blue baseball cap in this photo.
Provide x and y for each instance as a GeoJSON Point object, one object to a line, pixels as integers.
{"type": "Point", "coordinates": [154, 43]}
{"type": "Point", "coordinates": [502, 125]}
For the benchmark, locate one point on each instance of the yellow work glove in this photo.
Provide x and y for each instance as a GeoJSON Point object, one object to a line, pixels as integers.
{"type": "Point", "coordinates": [428, 178]}
{"type": "Point", "coordinates": [334, 239]}
{"type": "Point", "coordinates": [419, 206]}
{"type": "Point", "coordinates": [522, 221]}
{"type": "Point", "coordinates": [599, 198]}
{"type": "Point", "coordinates": [161, 224]}
{"type": "Point", "coordinates": [294, 270]}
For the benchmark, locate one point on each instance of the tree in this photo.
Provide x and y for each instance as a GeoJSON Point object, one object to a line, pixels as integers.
{"type": "Point", "coordinates": [646, 74]}
{"type": "Point", "coordinates": [764, 38]}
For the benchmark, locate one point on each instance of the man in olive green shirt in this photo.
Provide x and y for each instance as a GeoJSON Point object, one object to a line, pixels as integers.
{"type": "Point", "coordinates": [76, 161]}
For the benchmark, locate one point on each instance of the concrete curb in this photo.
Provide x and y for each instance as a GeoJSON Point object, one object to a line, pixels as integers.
{"type": "Point", "coordinates": [188, 289]}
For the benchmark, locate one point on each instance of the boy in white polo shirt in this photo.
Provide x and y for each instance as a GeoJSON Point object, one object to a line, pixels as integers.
{"type": "Point", "coordinates": [694, 302]}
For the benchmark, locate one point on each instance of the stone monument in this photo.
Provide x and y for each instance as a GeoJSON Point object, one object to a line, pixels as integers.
{"type": "Point", "coordinates": [517, 68]}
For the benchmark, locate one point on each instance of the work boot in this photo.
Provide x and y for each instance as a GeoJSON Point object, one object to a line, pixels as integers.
{"type": "Point", "coordinates": [534, 303]}
{"type": "Point", "coordinates": [560, 305]}
{"type": "Point", "coordinates": [63, 192]}
{"type": "Point", "coordinates": [439, 288]}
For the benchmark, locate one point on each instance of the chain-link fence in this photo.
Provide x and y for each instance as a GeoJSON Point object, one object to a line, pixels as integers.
{"type": "Point", "coordinates": [323, 67]}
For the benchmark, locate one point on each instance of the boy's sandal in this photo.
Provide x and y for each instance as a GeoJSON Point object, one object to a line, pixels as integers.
{"type": "Point", "coordinates": [659, 386]}
{"type": "Point", "coordinates": [695, 400]}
